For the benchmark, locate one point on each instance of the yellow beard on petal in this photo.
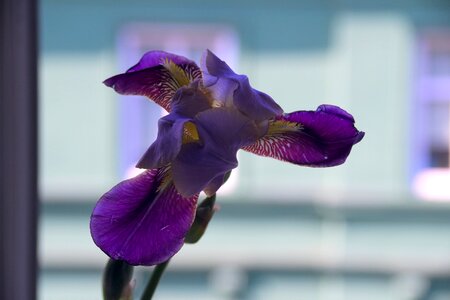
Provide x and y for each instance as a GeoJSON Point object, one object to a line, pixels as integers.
{"type": "Point", "coordinates": [280, 126]}
{"type": "Point", "coordinates": [178, 74]}
{"type": "Point", "coordinates": [190, 133]}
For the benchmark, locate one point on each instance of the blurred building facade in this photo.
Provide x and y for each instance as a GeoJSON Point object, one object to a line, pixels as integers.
{"type": "Point", "coordinates": [376, 227]}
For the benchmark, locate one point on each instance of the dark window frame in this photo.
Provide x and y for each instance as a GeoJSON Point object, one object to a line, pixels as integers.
{"type": "Point", "coordinates": [18, 150]}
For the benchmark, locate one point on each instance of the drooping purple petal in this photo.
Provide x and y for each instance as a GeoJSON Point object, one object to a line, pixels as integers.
{"type": "Point", "coordinates": [336, 111]}
{"type": "Point", "coordinates": [142, 222]}
{"type": "Point", "coordinates": [227, 86]}
{"type": "Point", "coordinates": [222, 131]}
{"type": "Point", "coordinates": [324, 138]}
{"type": "Point", "coordinates": [152, 79]}
{"type": "Point", "coordinates": [154, 58]}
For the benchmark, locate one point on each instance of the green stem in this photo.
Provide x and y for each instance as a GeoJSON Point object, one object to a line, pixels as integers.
{"type": "Point", "coordinates": [154, 280]}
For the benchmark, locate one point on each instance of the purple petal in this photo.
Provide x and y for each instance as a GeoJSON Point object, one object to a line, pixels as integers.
{"type": "Point", "coordinates": [324, 139]}
{"type": "Point", "coordinates": [154, 58]}
{"type": "Point", "coordinates": [222, 131]}
{"type": "Point", "coordinates": [215, 184]}
{"type": "Point", "coordinates": [337, 111]}
{"type": "Point", "coordinates": [167, 144]}
{"type": "Point", "coordinates": [189, 101]}
{"type": "Point", "coordinates": [227, 86]}
{"type": "Point", "coordinates": [140, 223]}
{"type": "Point", "coordinates": [150, 78]}
{"type": "Point", "coordinates": [255, 104]}
{"type": "Point", "coordinates": [228, 129]}
{"type": "Point", "coordinates": [195, 167]}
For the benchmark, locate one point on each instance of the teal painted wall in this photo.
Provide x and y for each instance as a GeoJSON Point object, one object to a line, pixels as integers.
{"type": "Point", "coordinates": [358, 56]}
{"type": "Point", "coordinates": [351, 232]}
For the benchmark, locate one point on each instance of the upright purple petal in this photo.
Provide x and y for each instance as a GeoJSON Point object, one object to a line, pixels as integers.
{"type": "Point", "coordinates": [167, 144]}
{"type": "Point", "coordinates": [233, 89]}
{"type": "Point", "coordinates": [150, 78]}
{"type": "Point", "coordinates": [142, 220]}
{"type": "Point", "coordinates": [321, 138]}
{"type": "Point", "coordinates": [189, 101]}
{"type": "Point", "coordinates": [186, 104]}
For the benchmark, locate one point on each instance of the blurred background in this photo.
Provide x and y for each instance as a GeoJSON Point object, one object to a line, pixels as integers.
{"type": "Point", "coordinates": [377, 227]}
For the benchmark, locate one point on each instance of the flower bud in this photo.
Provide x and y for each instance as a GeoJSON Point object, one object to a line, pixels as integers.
{"type": "Point", "coordinates": [204, 213]}
{"type": "Point", "coordinates": [116, 280]}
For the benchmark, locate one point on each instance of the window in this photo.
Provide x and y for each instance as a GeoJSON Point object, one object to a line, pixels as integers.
{"type": "Point", "coordinates": [431, 131]}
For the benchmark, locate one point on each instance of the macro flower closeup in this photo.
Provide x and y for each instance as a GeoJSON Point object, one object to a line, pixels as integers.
{"type": "Point", "coordinates": [213, 113]}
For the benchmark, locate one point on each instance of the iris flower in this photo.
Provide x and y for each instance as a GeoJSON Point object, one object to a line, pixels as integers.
{"type": "Point", "coordinates": [213, 113]}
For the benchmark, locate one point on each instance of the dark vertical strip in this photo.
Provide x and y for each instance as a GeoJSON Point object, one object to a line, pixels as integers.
{"type": "Point", "coordinates": [18, 149]}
